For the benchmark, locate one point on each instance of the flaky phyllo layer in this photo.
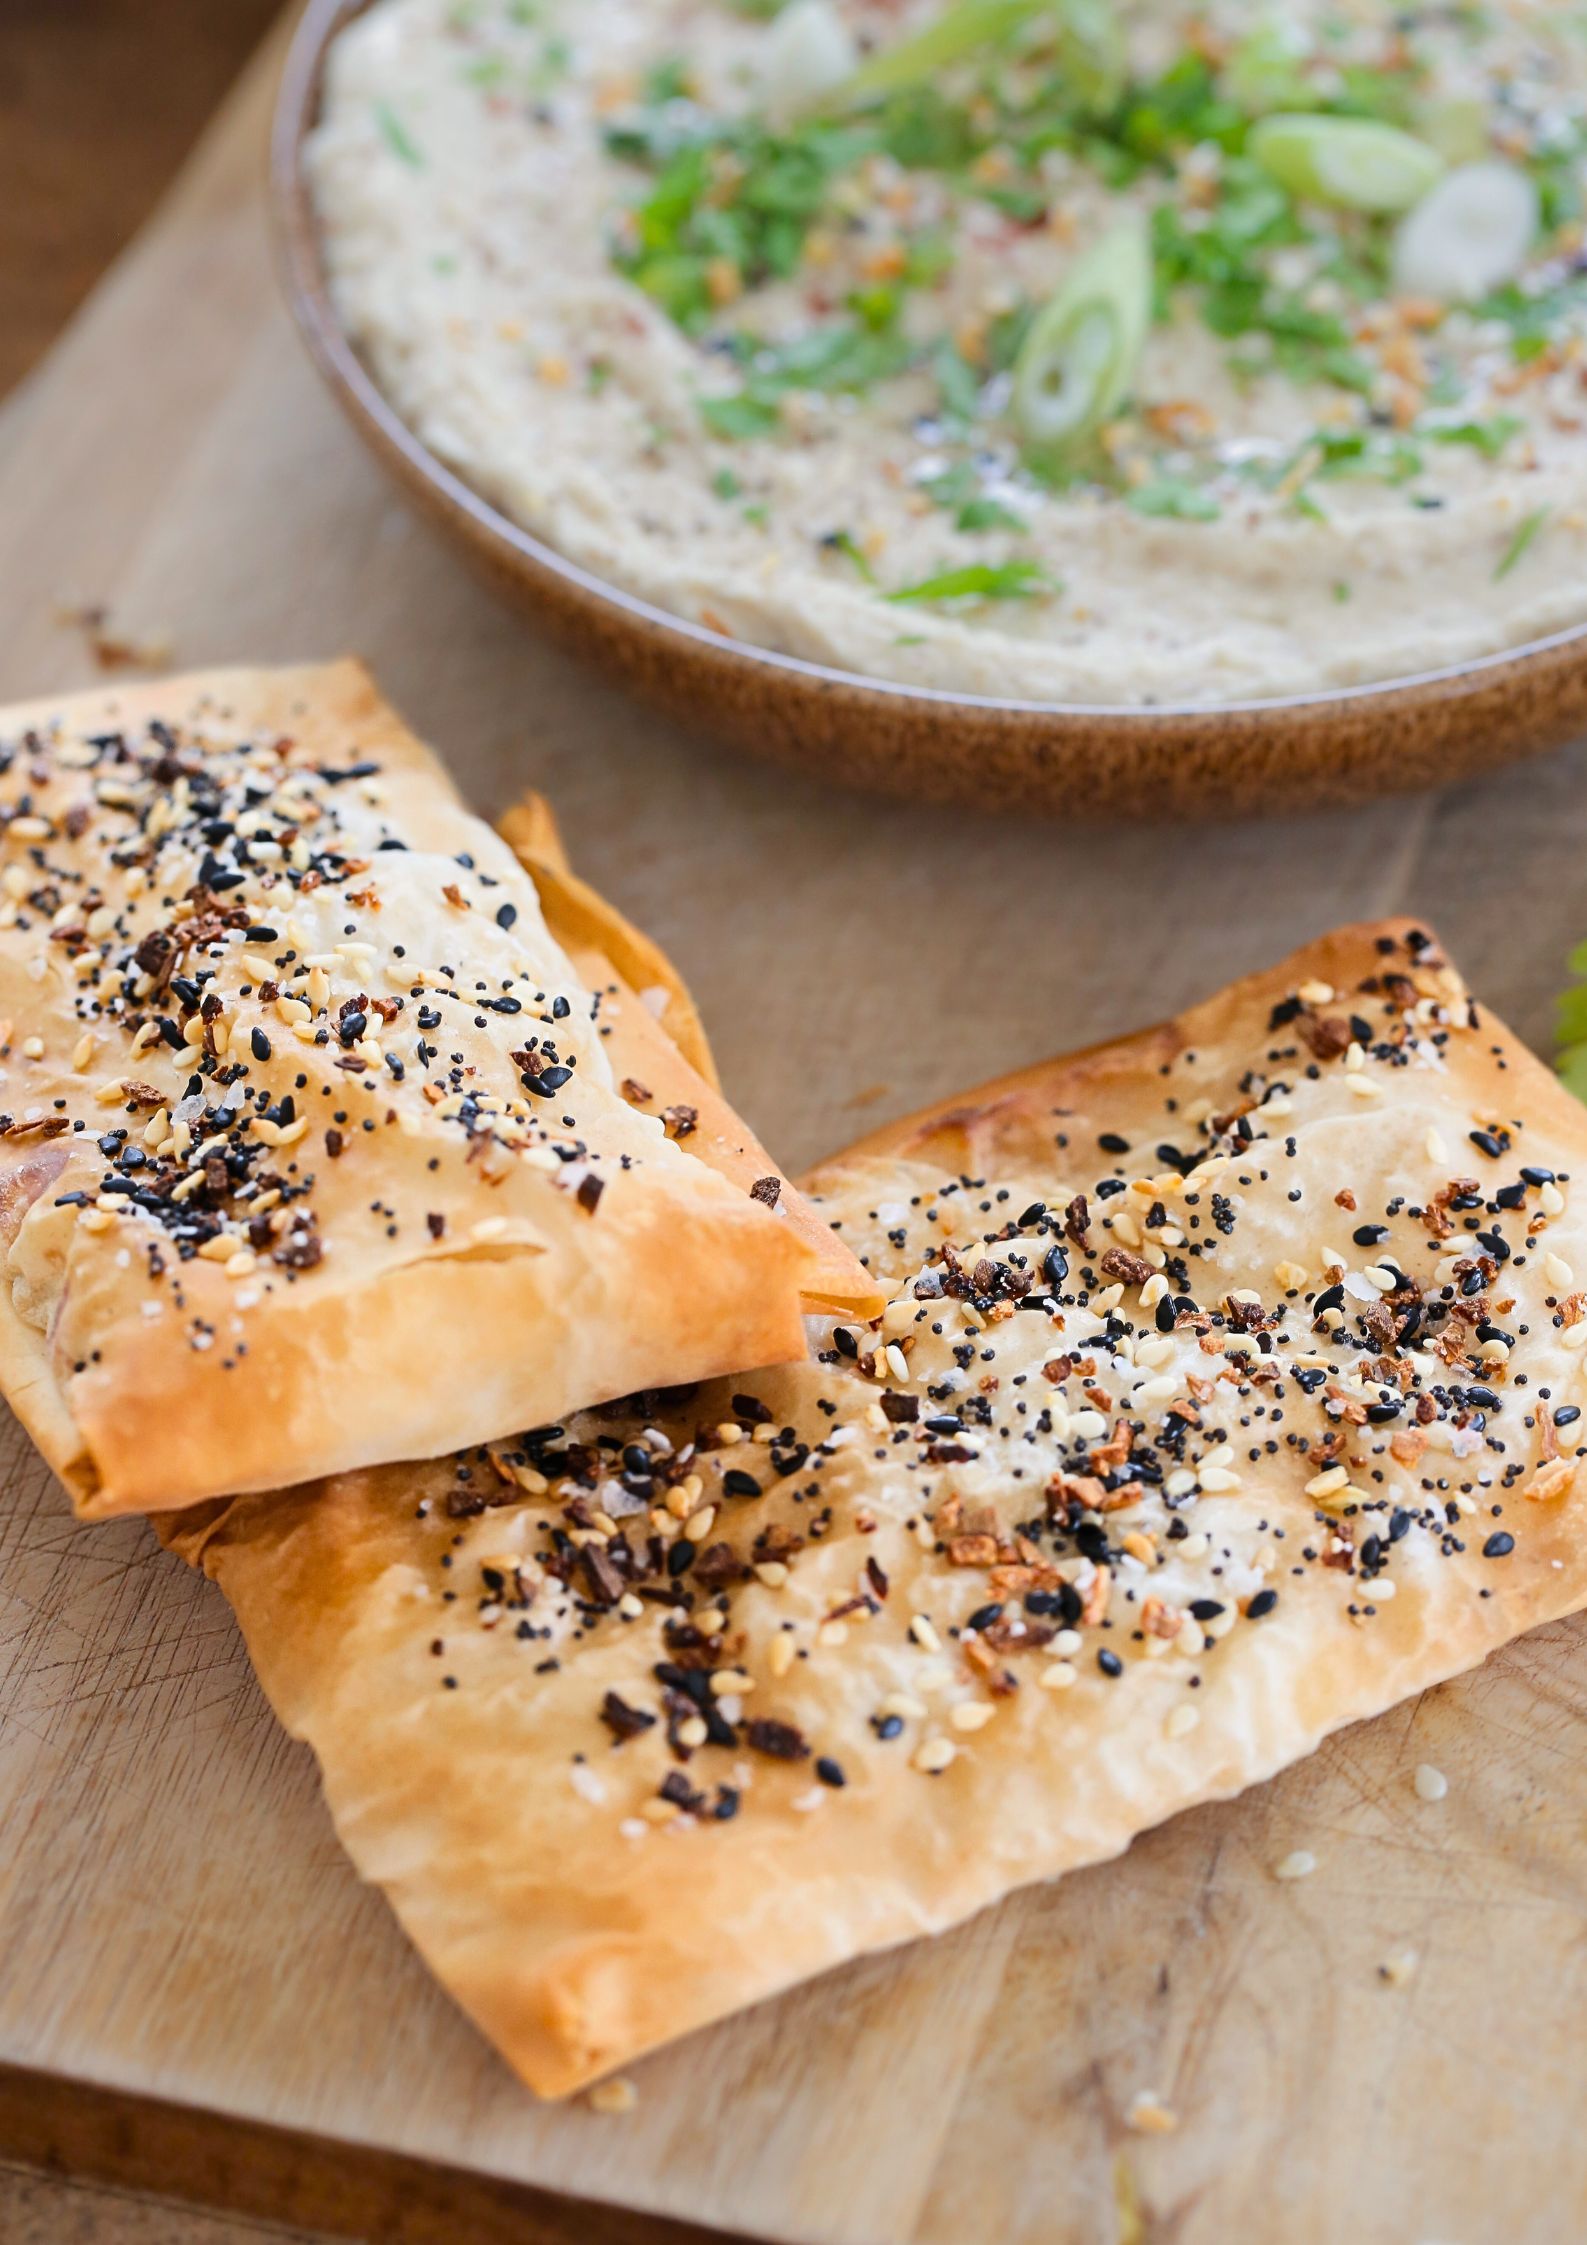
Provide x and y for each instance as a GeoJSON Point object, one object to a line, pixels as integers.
{"type": "Point", "coordinates": [1228, 1389]}
{"type": "Point", "coordinates": [312, 1151]}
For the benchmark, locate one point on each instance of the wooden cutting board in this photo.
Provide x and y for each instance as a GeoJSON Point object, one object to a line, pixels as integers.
{"type": "Point", "coordinates": [194, 1991]}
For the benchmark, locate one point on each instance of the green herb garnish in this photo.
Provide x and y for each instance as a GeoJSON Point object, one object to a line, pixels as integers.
{"type": "Point", "coordinates": [1175, 499]}
{"type": "Point", "coordinates": [836, 357]}
{"type": "Point", "coordinates": [982, 580]}
{"type": "Point", "coordinates": [842, 541]}
{"type": "Point", "coordinates": [958, 489]}
{"type": "Point", "coordinates": [1487, 437]}
{"type": "Point", "coordinates": [1525, 533]}
{"type": "Point", "coordinates": [739, 416]}
{"type": "Point", "coordinates": [397, 137]}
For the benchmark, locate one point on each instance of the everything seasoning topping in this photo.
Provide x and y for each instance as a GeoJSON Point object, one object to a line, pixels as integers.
{"type": "Point", "coordinates": [1093, 1436]}
{"type": "Point", "coordinates": [257, 979]}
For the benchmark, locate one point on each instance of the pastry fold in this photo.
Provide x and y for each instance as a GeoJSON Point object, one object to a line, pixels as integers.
{"type": "Point", "coordinates": [312, 1149]}
{"type": "Point", "coordinates": [1228, 1390]}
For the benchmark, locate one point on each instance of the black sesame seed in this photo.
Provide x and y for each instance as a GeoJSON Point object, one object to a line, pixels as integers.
{"type": "Point", "coordinates": [829, 1771]}
{"type": "Point", "coordinates": [261, 1045]}
{"type": "Point", "coordinates": [1499, 1545]}
{"type": "Point", "coordinates": [984, 1616]}
{"type": "Point", "coordinates": [1110, 1663]}
{"type": "Point", "coordinates": [1262, 1603]}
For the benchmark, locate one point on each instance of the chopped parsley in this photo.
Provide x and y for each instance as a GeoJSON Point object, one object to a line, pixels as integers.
{"type": "Point", "coordinates": [842, 541]}
{"type": "Point", "coordinates": [838, 356]}
{"type": "Point", "coordinates": [1177, 500]}
{"type": "Point", "coordinates": [397, 137]}
{"type": "Point", "coordinates": [959, 490]}
{"type": "Point", "coordinates": [1526, 533]}
{"type": "Point", "coordinates": [982, 580]}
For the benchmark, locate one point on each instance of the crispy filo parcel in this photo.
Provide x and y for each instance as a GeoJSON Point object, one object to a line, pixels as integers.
{"type": "Point", "coordinates": [1228, 1389]}
{"type": "Point", "coordinates": [312, 1149]}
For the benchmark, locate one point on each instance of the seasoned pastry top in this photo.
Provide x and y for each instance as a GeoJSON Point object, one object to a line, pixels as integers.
{"type": "Point", "coordinates": [1229, 1387]}
{"type": "Point", "coordinates": [282, 1019]}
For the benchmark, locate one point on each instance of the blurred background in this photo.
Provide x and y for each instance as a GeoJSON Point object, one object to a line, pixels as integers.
{"type": "Point", "coordinates": [100, 100]}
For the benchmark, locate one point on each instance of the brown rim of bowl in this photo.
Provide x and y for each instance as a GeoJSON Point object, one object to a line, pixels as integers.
{"type": "Point", "coordinates": [1450, 708]}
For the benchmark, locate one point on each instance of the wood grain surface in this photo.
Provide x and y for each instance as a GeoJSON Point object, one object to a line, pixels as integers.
{"type": "Point", "coordinates": [99, 102]}
{"type": "Point", "coordinates": [195, 1992]}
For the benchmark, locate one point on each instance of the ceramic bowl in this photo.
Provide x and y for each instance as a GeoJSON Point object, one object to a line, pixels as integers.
{"type": "Point", "coordinates": [1338, 746]}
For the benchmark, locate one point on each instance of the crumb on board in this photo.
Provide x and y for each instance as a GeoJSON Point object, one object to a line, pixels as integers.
{"type": "Point", "coordinates": [1149, 2116]}
{"type": "Point", "coordinates": [615, 2096]}
{"type": "Point", "coordinates": [1431, 1783]}
{"type": "Point", "coordinates": [111, 647]}
{"type": "Point", "coordinates": [1298, 1864]}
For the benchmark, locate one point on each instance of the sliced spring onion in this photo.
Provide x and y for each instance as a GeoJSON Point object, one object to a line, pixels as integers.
{"type": "Point", "coordinates": [808, 51]}
{"type": "Point", "coordinates": [1473, 233]}
{"type": "Point", "coordinates": [1090, 43]}
{"type": "Point", "coordinates": [1349, 161]}
{"type": "Point", "coordinates": [1093, 57]}
{"type": "Point", "coordinates": [959, 31]}
{"type": "Point", "coordinates": [1265, 70]}
{"type": "Point", "coordinates": [1077, 364]}
{"type": "Point", "coordinates": [1457, 125]}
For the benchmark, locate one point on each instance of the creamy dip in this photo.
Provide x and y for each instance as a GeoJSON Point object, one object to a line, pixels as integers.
{"type": "Point", "coordinates": [746, 341]}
